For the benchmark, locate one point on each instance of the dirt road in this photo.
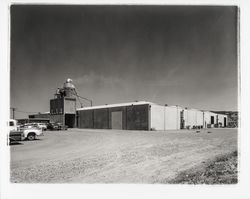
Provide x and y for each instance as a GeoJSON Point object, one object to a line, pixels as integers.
{"type": "Point", "coordinates": [112, 156]}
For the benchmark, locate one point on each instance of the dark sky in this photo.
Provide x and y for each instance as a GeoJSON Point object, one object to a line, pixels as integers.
{"type": "Point", "coordinates": [176, 55]}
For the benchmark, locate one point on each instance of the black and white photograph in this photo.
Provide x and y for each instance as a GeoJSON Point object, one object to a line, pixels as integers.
{"type": "Point", "coordinates": [124, 94]}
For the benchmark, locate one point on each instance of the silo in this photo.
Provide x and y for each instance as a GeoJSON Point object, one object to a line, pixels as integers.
{"type": "Point", "coordinates": [69, 88]}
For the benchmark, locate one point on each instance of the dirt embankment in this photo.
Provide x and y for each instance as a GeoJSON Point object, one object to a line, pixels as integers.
{"type": "Point", "coordinates": [221, 170]}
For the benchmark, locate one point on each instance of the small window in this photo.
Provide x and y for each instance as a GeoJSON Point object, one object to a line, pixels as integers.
{"type": "Point", "coordinates": [11, 123]}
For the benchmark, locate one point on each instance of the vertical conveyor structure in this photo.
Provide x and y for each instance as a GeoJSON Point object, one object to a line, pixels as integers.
{"type": "Point", "coordinates": [63, 106]}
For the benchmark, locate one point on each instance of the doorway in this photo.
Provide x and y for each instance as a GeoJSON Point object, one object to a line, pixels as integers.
{"type": "Point", "coordinates": [212, 119]}
{"type": "Point", "coordinates": [70, 120]}
{"type": "Point", "coordinates": [225, 122]}
{"type": "Point", "coordinates": [182, 120]}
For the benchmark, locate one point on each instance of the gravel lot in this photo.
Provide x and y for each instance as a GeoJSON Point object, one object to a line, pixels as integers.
{"type": "Point", "coordinates": [116, 156]}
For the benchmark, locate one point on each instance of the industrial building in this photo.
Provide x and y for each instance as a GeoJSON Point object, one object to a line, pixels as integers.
{"type": "Point", "coordinates": [147, 116]}
{"type": "Point", "coordinates": [140, 115]}
{"type": "Point", "coordinates": [232, 116]}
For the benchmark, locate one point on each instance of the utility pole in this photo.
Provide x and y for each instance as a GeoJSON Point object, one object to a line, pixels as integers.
{"type": "Point", "coordinates": [13, 112]}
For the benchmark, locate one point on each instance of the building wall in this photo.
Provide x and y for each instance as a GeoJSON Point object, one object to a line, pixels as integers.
{"type": "Point", "coordinates": [85, 119]}
{"type": "Point", "coordinates": [172, 117]}
{"type": "Point", "coordinates": [208, 121]}
{"type": "Point", "coordinates": [193, 117]}
{"type": "Point", "coordinates": [101, 118]}
{"type": "Point", "coordinates": [146, 117]}
{"type": "Point", "coordinates": [214, 115]}
{"type": "Point", "coordinates": [69, 105]}
{"type": "Point", "coordinates": [137, 117]}
{"type": "Point", "coordinates": [199, 118]}
{"type": "Point", "coordinates": [179, 110]}
{"type": "Point", "coordinates": [189, 118]}
{"type": "Point", "coordinates": [165, 117]}
{"type": "Point", "coordinates": [157, 115]}
{"type": "Point", "coordinates": [63, 105]}
{"type": "Point", "coordinates": [133, 117]}
{"type": "Point", "coordinates": [221, 120]}
{"type": "Point", "coordinates": [57, 118]}
{"type": "Point", "coordinates": [57, 106]}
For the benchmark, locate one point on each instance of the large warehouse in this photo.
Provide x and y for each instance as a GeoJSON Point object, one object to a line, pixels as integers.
{"type": "Point", "coordinates": [146, 116]}
{"type": "Point", "coordinates": [140, 115]}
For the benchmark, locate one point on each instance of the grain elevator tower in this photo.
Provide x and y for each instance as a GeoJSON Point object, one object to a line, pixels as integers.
{"type": "Point", "coordinates": [63, 106]}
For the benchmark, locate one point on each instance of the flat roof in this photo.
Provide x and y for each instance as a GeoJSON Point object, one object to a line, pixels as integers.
{"type": "Point", "coordinates": [115, 105]}
{"type": "Point", "coordinates": [140, 103]}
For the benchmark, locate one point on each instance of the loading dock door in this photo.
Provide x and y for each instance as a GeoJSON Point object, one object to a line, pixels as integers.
{"type": "Point", "coordinates": [70, 120]}
{"type": "Point", "coordinates": [116, 120]}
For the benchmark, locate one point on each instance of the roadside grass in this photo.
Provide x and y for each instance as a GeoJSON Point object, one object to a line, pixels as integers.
{"type": "Point", "coordinates": [221, 170]}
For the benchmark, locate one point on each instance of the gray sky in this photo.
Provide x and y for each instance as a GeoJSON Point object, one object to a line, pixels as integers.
{"type": "Point", "coordinates": [172, 55]}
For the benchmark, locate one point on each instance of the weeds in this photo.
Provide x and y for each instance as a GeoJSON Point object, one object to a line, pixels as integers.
{"type": "Point", "coordinates": [222, 170]}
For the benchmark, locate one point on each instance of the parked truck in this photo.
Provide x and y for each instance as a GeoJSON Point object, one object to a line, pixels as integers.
{"type": "Point", "coordinates": [18, 134]}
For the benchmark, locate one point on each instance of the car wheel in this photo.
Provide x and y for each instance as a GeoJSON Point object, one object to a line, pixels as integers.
{"type": "Point", "coordinates": [31, 136]}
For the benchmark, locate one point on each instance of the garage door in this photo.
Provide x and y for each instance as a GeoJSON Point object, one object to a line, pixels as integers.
{"type": "Point", "coordinates": [116, 120]}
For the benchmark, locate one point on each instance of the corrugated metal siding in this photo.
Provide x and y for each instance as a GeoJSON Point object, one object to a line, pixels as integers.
{"type": "Point", "coordinates": [85, 119]}
{"type": "Point", "coordinates": [145, 117]}
{"type": "Point", "coordinates": [101, 119]}
{"type": "Point", "coordinates": [133, 117]}
{"type": "Point", "coordinates": [57, 106]}
{"type": "Point", "coordinates": [137, 117]}
{"type": "Point", "coordinates": [69, 105]}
